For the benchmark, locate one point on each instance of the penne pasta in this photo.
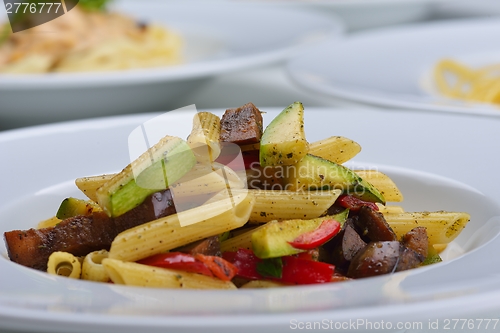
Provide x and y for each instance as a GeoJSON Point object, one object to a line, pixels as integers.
{"type": "Point", "coordinates": [92, 268]}
{"type": "Point", "coordinates": [390, 209]}
{"type": "Point", "coordinates": [382, 183]}
{"type": "Point", "coordinates": [240, 241]}
{"type": "Point", "coordinates": [440, 247]}
{"type": "Point", "coordinates": [337, 149]}
{"type": "Point", "coordinates": [288, 205]}
{"type": "Point", "coordinates": [89, 185]}
{"type": "Point", "coordinates": [262, 284]}
{"type": "Point", "coordinates": [134, 274]}
{"type": "Point", "coordinates": [204, 137]}
{"type": "Point", "coordinates": [51, 222]}
{"type": "Point", "coordinates": [442, 227]}
{"type": "Point", "coordinates": [206, 178]}
{"type": "Point", "coordinates": [182, 228]}
{"type": "Point", "coordinates": [64, 264]}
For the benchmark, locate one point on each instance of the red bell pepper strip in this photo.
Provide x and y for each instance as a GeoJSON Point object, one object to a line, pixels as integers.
{"type": "Point", "coordinates": [299, 271]}
{"type": "Point", "coordinates": [177, 260]}
{"type": "Point", "coordinates": [246, 263]}
{"type": "Point", "coordinates": [354, 204]}
{"type": "Point", "coordinates": [219, 267]}
{"type": "Point", "coordinates": [317, 237]}
{"type": "Point", "coordinates": [294, 270]}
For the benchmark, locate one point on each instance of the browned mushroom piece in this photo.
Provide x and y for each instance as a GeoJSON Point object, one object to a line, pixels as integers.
{"type": "Point", "coordinates": [242, 125]}
{"type": "Point", "coordinates": [372, 226]}
{"type": "Point", "coordinates": [345, 246]}
{"type": "Point", "coordinates": [408, 259]}
{"type": "Point", "coordinates": [209, 246]}
{"type": "Point", "coordinates": [417, 240]}
{"type": "Point", "coordinates": [376, 258]}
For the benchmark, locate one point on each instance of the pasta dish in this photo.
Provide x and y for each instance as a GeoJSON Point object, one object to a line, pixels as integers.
{"type": "Point", "coordinates": [83, 40]}
{"type": "Point", "coordinates": [235, 205]}
{"type": "Point", "coordinates": [456, 80]}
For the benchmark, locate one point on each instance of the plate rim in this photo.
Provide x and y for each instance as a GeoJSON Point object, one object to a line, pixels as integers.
{"type": "Point", "coordinates": [380, 98]}
{"type": "Point", "coordinates": [215, 322]}
{"type": "Point", "coordinates": [333, 27]}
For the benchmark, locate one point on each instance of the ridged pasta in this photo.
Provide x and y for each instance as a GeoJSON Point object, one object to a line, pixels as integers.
{"type": "Point", "coordinates": [382, 183]}
{"type": "Point", "coordinates": [204, 137]}
{"type": "Point", "coordinates": [240, 241]}
{"type": "Point", "coordinates": [50, 222]}
{"type": "Point", "coordinates": [64, 264]}
{"type": "Point", "coordinates": [89, 185]}
{"type": "Point", "coordinates": [92, 268]}
{"type": "Point", "coordinates": [287, 205]}
{"type": "Point", "coordinates": [134, 274]}
{"type": "Point", "coordinates": [337, 149]}
{"type": "Point", "coordinates": [442, 227]}
{"type": "Point", "coordinates": [179, 229]}
{"type": "Point", "coordinates": [262, 284]}
{"type": "Point", "coordinates": [206, 178]}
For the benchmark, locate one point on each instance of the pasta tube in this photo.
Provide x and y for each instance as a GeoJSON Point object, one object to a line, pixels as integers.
{"type": "Point", "coordinates": [288, 205]}
{"type": "Point", "coordinates": [182, 228]}
{"type": "Point", "coordinates": [382, 183]}
{"type": "Point", "coordinates": [241, 241]}
{"type": "Point", "coordinates": [337, 149]}
{"type": "Point", "coordinates": [204, 137]}
{"type": "Point", "coordinates": [206, 178]}
{"type": "Point", "coordinates": [442, 227]}
{"type": "Point", "coordinates": [390, 209]}
{"type": "Point", "coordinates": [440, 247]}
{"type": "Point", "coordinates": [92, 268]}
{"type": "Point", "coordinates": [51, 222]}
{"type": "Point", "coordinates": [64, 264]}
{"type": "Point", "coordinates": [134, 274]}
{"type": "Point", "coordinates": [89, 185]}
{"type": "Point", "coordinates": [262, 284]}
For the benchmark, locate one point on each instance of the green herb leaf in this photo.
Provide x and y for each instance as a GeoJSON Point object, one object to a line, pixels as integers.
{"type": "Point", "coordinates": [270, 268]}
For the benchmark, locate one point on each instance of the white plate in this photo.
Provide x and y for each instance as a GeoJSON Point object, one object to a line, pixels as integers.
{"type": "Point", "coordinates": [389, 67]}
{"type": "Point", "coordinates": [41, 163]}
{"type": "Point", "coordinates": [220, 38]}
{"type": "Point", "coordinates": [468, 8]}
{"type": "Point", "coordinates": [365, 14]}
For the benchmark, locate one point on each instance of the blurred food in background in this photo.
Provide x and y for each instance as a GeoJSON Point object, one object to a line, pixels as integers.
{"type": "Point", "coordinates": [457, 80]}
{"type": "Point", "coordinates": [89, 39]}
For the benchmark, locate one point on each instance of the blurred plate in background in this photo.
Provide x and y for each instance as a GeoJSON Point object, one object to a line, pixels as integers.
{"type": "Point", "coordinates": [390, 66]}
{"type": "Point", "coordinates": [468, 8]}
{"type": "Point", "coordinates": [219, 38]}
{"type": "Point", "coordinates": [365, 14]}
